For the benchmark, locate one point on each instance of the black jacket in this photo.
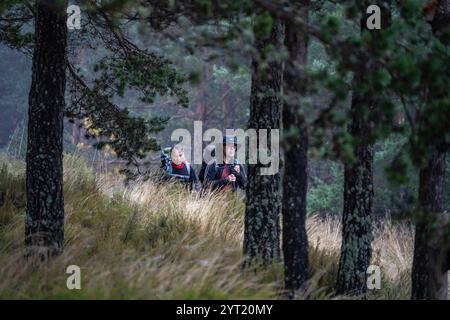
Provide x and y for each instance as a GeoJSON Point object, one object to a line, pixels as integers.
{"type": "Point", "coordinates": [213, 176]}
{"type": "Point", "coordinates": [201, 175]}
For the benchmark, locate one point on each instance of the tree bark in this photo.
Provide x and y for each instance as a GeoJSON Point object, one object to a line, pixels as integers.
{"type": "Point", "coordinates": [201, 110]}
{"type": "Point", "coordinates": [431, 247]}
{"type": "Point", "coordinates": [76, 132]}
{"type": "Point", "coordinates": [356, 251]}
{"type": "Point", "coordinates": [262, 211]}
{"type": "Point", "coordinates": [227, 113]}
{"type": "Point", "coordinates": [44, 225]}
{"type": "Point", "coordinates": [358, 201]}
{"type": "Point", "coordinates": [430, 265]}
{"type": "Point", "coordinates": [295, 177]}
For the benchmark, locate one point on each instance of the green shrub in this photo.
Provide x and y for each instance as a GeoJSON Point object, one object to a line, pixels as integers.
{"type": "Point", "coordinates": [325, 197]}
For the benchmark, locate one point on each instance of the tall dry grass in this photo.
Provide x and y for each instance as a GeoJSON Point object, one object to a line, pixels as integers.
{"type": "Point", "coordinates": [150, 240]}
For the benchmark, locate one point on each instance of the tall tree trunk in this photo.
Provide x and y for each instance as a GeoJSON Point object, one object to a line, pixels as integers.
{"type": "Point", "coordinates": [262, 211]}
{"type": "Point", "coordinates": [356, 250]}
{"type": "Point", "coordinates": [358, 200]}
{"type": "Point", "coordinates": [76, 132]}
{"type": "Point", "coordinates": [295, 177]}
{"type": "Point", "coordinates": [202, 98]}
{"type": "Point", "coordinates": [227, 113]}
{"type": "Point", "coordinates": [430, 265]}
{"type": "Point", "coordinates": [44, 226]}
{"type": "Point", "coordinates": [430, 262]}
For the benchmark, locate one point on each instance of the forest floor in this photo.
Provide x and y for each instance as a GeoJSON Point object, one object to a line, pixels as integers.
{"type": "Point", "coordinates": [153, 241]}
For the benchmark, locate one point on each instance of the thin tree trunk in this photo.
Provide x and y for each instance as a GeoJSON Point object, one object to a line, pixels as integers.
{"type": "Point", "coordinates": [431, 247]}
{"type": "Point", "coordinates": [201, 110]}
{"type": "Point", "coordinates": [227, 113]}
{"type": "Point", "coordinates": [76, 132]}
{"type": "Point", "coordinates": [262, 211]}
{"type": "Point", "coordinates": [44, 226]}
{"type": "Point", "coordinates": [295, 177]}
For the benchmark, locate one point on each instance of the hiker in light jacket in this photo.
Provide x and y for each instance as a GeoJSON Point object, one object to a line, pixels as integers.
{"type": "Point", "coordinates": [176, 167]}
{"type": "Point", "coordinates": [229, 175]}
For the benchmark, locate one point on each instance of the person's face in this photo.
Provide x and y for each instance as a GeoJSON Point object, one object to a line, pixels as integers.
{"type": "Point", "coordinates": [230, 150]}
{"type": "Point", "coordinates": [177, 156]}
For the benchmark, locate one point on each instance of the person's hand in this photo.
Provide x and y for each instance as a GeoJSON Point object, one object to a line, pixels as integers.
{"type": "Point", "coordinates": [237, 168]}
{"type": "Point", "coordinates": [231, 178]}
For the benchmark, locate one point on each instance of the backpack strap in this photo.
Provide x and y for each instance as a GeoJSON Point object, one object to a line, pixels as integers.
{"type": "Point", "coordinates": [188, 168]}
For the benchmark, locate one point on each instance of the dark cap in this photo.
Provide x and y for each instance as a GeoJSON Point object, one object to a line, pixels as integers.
{"type": "Point", "coordinates": [230, 139]}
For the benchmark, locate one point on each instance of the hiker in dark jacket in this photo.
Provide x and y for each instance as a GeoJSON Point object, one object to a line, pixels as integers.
{"type": "Point", "coordinates": [176, 167]}
{"type": "Point", "coordinates": [227, 175]}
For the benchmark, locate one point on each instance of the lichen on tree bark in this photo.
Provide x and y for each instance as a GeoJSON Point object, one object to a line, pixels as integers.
{"type": "Point", "coordinates": [262, 212]}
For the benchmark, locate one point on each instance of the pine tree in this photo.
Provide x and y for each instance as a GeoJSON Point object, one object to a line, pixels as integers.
{"type": "Point", "coordinates": [430, 262]}
{"type": "Point", "coordinates": [262, 211]}
{"type": "Point", "coordinates": [295, 143]}
{"type": "Point", "coordinates": [44, 226]}
{"type": "Point", "coordinates": [356, 251]}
